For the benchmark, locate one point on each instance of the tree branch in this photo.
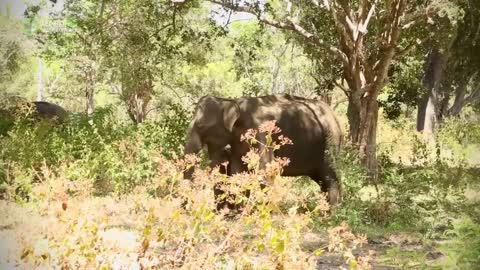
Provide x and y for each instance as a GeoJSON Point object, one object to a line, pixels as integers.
{"type": "Point", "coordinates": [364, 25]}
{"type": "Point", "coordinates": [345, 90]}
{"type": "Point", "coordinates": [287, 25]}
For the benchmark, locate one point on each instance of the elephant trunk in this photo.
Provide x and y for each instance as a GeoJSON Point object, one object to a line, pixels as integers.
{"type": "Point", "coordinates": [193, 145]}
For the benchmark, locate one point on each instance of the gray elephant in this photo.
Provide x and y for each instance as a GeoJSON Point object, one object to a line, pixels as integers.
{"type": "Point", "coordinates": [15, 109]}
{"type": "Point", "coordinates": [310, 124]}
{"type": "Point", "coordinates": [49, 110]}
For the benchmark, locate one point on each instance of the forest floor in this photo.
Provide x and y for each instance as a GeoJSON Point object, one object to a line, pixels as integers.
{"type": "Point", "coordinates": [118, 240]}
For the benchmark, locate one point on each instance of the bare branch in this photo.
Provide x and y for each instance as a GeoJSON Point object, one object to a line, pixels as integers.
{"type": "Point", "coordinates": [326, 3]}
{"type": "Point", "coordinates": [353, 26]}
{"type": "Point", "coordinates": [342, 26]}
{"type": "Point", "coordinates": [364, 25]}
{"type": "Point", "coordinates": [289, 7]}
{"type": "Point", "coordinates": [341, 87]}
{"type": "Point", "coordinates": [388, 50]}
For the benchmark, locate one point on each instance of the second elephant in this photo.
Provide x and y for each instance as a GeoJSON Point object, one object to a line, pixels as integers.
{"type": "Point", "coordinates": [310, 124]}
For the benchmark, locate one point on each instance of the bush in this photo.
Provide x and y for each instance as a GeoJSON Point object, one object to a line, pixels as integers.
{"type": "Point", "coordinates": [179, 226]}
{"type": "Point", "coordinates": [464, 247]}
{"type": "Point", "coordinates": [116, 156]}
{"type": "Point", "coordinates": [167, 134]}
{"type": "Point", "coordinates": [423, 192]}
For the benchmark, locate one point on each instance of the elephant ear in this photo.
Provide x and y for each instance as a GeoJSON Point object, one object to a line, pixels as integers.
{"type": "Point", "coordinates": [231, 113]}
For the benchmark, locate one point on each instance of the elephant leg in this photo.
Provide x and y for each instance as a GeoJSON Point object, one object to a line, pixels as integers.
{"type": "Point", "coordinates": [219, 156]}
{"type": "Point", "coordinates": [333, 184]}
{"type": "Point", "coordinates": [236, 165]}
{"type": "Point", "coordinates": [221, 198]}
{"type": "Point", "coordinates": [326, 177]}
{"type": "Point", "coordinates": [224, 200]}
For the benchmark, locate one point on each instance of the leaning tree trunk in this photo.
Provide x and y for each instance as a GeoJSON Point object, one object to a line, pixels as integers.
{"type": "Point", "coordinates": [426, 115]}
{"type": "Point", "coordinates": [461, 97]}
{"type": "Point", "coordinates": [459, 100]}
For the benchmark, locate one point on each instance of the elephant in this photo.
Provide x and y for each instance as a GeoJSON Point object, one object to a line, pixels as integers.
{"type": "Point", "coordinates": [42, 109]}
{"type": "Point", "coordinates": [19, 108]}
{"type": "Point", "coordinates": [310, 124]}
{"type": "Point", "coordinates": [49, 110]}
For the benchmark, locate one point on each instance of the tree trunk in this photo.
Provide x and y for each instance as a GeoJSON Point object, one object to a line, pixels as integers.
{"type": "Point", "coordinates": [362, 116]}
{"type": "Point", "coordinates": [40, 80]}
{"type": "Point", "coordinates": [137, 90]}
{"type": "Point", "coordinates": [426, 116]}
{"type": "Point", "coordinates": [90, 79]}
{"type": "Point", "coordinates": [459, 100]}
{"type": "Point", "coordinates": [137, 108]}
{"type": "Point", "coordinates": [429, 106]}
{"type": "Point", "coordinates": [89, 100]}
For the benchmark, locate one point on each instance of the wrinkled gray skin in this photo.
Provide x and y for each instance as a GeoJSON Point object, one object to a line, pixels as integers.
{"type": "Point", "coordinates": [50, 111]}
{"type": "Point", "coordinates": [310, 124]}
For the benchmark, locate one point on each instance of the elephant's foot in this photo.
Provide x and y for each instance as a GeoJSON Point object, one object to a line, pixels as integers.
{"type": "Point", "coordinates": [334, 194]}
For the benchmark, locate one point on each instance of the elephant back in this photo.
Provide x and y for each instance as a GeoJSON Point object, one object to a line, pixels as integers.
{"type": "Point", "coordinates": [325, 116]}
{"type": "Point", "coordinates": [49, 110]}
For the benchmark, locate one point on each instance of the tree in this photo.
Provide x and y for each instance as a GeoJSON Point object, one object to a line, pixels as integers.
{"type": "Point", "coordinates": [12, 51]}
{"type": "Point", "coordinates": [463, 76]}
{"type": "Point", "coordinates": [452, 67]}
{"type": "Point", "coordinates": [129, 44]}
{"type": "Point", "coordinates": [72, 36]}
{"type": "Point", "coordinates": [363, 36]}
{"type": "Point", "coordinates": [17, 59]}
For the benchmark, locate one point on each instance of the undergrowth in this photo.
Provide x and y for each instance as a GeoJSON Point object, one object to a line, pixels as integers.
{"type": "Point", "coordinates": [80, 176]}
{"type": "Point", "coordinates": [173, 223]}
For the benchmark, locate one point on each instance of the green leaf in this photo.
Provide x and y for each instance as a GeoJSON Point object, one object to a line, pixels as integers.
{"type": "Point", "coordinates": [280, 246]}
{"type": "Point", "coordinates": [318, 252]}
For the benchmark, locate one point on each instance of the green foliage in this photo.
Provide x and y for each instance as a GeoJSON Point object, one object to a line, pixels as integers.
{"type": "Point", "coordinates": [461, 135]}
{"type": "Point", "coordinates": [130, 45]}
{"type": "Point", "coordinates": [115, 156]}
{"type": "Point", "coordinates": [464, 250]}
{"type": "Point", "coordinates": [405, 258]}
{"type": "Point", "coordinates": [17, 67]}
{"type": "Point", "coordinates": [250, 42]}
{"type": "Point", "coordinates": [12, 51]}
{"type": "Point", "coordinates": [405, 88]}
{"type": "Point", "coordinates": [353, 178]}
{"type": "Point", "coordinates": [422, 193]}
{"type": "Point", "coordinates": [419, 193]}
{"type": "Point", "coordinates": [168, 133]}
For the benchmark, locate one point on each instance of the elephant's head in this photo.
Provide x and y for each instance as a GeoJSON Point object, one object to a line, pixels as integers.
{"type": "Point", "coordinates": [212, 126]}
